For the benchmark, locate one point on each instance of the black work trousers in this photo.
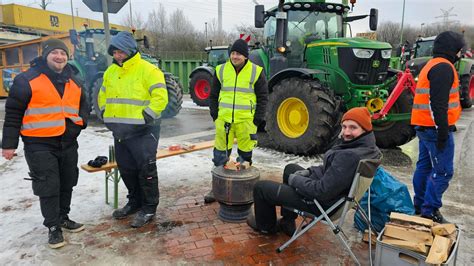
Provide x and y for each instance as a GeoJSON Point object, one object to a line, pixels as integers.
{"type": "Point", "coordinates": [53, 174]}
{"type": "Point", "coordinates": [136, 160]}
{"type": "Point", "coordinates": [269, 194]}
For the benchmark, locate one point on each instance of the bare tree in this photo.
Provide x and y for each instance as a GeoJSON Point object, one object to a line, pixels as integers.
{"type": "Point", "coordinates": [135, 22]}
{"type": "Point", "coordinates": [256, 34]}
{"type": "Point", "coordinates": [44, 3]}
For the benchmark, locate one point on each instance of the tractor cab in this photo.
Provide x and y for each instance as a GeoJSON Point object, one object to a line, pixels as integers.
{"type": "Point", "coordinates": [216, 55]}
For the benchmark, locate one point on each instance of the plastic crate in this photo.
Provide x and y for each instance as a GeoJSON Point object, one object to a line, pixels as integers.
{"type": "Point", "coordinates": [386, 254]}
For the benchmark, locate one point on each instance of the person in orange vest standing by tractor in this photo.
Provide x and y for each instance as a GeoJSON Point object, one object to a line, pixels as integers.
{"type": "Point", "coordinates": [436, 108]}
{"type": "Point", "coordinates": [48, 108]}
{"type": "Point", "coordinates": [237, 103]}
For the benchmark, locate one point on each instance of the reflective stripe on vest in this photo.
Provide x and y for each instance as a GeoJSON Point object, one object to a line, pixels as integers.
{"type": "Point", "coordinates": [237, 99]}
{"type": "Point", "coordinates": [46, 113]}
{"type": "Point", "coordinates": [422, 114]}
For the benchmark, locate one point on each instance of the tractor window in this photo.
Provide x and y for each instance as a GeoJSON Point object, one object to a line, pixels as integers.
{"type": "Point", "coordinates": [30, 52]}
{"type": "Point", "coordinates": [99, 44]}
{"type": "Point", "coordinates": [269, 30]}
{"type": "Point", "coordinates": [424, 49]}
{"type": "Point", "coordinates": [12, 56]}
{"type": "Point", "coordinates": [217, 57]}
{"type": "Point", "coordinates": [314, 25]}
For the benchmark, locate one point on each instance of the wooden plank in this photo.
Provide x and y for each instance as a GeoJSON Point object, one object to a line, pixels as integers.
{"type": "Point", "coordinates": [443, 229]}
{"type": "Point", "coordinates": [408, 234]}
{"type": "Point", "coordinates": [365, 237]}
{"type": "Point", "coordinates": [415, 246]}
{"type": "Point", "coordinates": [161, 153]}
{"type": "Point", "coordinates": [439, 251]}
{"type": "Point", "coordinates": [395, 216]}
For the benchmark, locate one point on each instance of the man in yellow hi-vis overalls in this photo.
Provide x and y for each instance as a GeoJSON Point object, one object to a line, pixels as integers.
{"type": "Point", "coordinates": [237, 104]}
{"type": "Point", "coordinates": [131, 99]}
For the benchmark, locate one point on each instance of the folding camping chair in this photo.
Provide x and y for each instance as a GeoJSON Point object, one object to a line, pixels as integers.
{"type": "Point", "coordinates": [360, 184]}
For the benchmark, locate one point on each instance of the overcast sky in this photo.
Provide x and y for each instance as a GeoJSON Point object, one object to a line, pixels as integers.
{"type": "Point", "coordinates": [236, 12]}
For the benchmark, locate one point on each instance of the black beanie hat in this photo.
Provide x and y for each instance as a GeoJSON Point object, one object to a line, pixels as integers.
{"type": "Point", "coordinates": [449, 43]}
{"type": "Point", "coordinates": [241, 47]}
{"type": "Point", "coordinates": [51, 44]}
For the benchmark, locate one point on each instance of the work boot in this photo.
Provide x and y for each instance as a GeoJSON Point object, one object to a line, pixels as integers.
{"type": "Point", "coordinates": [437, 217]}
{"type": "Point", "coordinates": [209, 197]}
{"type": "Point", "coordinates": [253, 224]}
{"type": "Point", "coordinates": [55, 237]}
{"type": "Point", "coordinates": [287, 226]}
{"type": "Point", "coordinates": [70, 225]}
{"type": "Point", "coordinates": [125, 211]}
{"type": "Point", "coordinates": [141, 218]}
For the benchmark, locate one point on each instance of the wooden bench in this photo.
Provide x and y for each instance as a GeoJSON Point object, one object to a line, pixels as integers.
{"type": "Point", "coordinates": [112, 174]}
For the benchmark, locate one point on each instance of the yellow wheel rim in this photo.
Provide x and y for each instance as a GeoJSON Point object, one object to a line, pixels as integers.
{"type": "Point", "coordinates": [293, 117]}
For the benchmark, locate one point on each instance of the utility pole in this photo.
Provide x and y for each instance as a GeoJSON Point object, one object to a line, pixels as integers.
{"type": "Point", "coordinates": [403, 19]}
{"type": "Point", "coordinates": [72, 15]}
{"type": "Point", "coordinates": [205, 29]}
{"type": "Point", "coordinates": [105, 12]}
{"type": "Point", "coordinates": [131, 18]}
{"type": "Point", "coordinates": [219, 16]}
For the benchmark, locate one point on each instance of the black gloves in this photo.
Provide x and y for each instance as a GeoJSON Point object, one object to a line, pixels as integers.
{"type": "Point", "coordinates": [147, 117]}
{"type": "Point", "coordinates": [442, 139]}
{"type": "Point", "coordinates": [257, 121]}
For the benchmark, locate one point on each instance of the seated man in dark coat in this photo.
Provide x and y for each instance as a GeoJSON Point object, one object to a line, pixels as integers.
{"type": "Point", "coordinates": [327, 182]}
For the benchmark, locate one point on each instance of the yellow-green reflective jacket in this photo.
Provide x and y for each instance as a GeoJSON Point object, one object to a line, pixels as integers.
{"type": "Point", "coordinates": [127, 92]}
{"type": "Point", "coordinates": [237, 99]}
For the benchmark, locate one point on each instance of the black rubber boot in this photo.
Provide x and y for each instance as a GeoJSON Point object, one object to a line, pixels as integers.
{"type": "Point", "coordinates": [209, 197]}
{"type": "Point", "coordinates": [141, 218]}
{"type": "Point", "coordinates": [71, 226]}
{"type": "Point", "coordinates": [55, 237]}
{"type": "Point", "coordinates": [125, 211]}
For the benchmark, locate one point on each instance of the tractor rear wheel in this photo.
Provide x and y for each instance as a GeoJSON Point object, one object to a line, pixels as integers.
{"type": "Point", "coordinates": [301, 117]}
{"type": "Point", "coordinates": [95, 94]}
{"type": "Point", "coordinates": [391, 134]}
{"type": "Point", "coordinates": [466, 97]}
{"type": "Point", "coordinates": [200, 87]}
{"type": "Point", "coordinates": [175, 97]}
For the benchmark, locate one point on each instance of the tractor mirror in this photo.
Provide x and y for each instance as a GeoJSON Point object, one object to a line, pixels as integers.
{"type": "Point", "coordinates": [374, 18]}
{"type": "Point", "coordinates": [73, 37]}
{"type": "Point", "coordinates": [259, 16]}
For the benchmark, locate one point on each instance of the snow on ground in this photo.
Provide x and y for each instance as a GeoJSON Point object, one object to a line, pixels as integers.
{"type": "Point", "coordinates": [21, 228]}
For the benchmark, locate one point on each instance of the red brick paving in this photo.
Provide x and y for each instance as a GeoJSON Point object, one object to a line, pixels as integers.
{"type": "Point", "coordinates": [196, 234]}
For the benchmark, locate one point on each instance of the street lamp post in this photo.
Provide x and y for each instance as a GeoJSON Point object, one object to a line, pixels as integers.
{"type": "Point", "coordinates": [205, 29]}
{"type": "Point", "coordinates": [421, 28]}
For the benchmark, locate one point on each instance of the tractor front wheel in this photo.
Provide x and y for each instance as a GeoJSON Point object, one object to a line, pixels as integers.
{"type": "Point", "coordinates": [200, 87]}
{"type": "Point", "coordinates": [390, 134]}
{"type": "Point", "coordinates": [301, 117]}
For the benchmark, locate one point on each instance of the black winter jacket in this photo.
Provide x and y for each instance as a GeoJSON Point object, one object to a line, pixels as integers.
{"type": "Point", "coordinates": [330, 181]}
{"type": "Point", "coordinates": [261, 91]}
{"type": "Point", "coordinates": [19, 98]}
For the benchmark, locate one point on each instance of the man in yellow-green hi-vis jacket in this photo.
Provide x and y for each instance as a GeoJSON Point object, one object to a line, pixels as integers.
{"type": "Point", "coordinates": [237, 103]}
{"type": "Point", "coordinates": [131, 99]}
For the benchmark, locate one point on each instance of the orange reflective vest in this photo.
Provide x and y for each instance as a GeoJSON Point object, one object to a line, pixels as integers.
{"type": "Point", "coordinates": [46, 113]}
{"type": "Point", "coordinates": [421, 114]}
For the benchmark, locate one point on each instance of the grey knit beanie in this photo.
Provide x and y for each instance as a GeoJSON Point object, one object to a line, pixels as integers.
{"type": "Point", "coordinates": [123, 41]}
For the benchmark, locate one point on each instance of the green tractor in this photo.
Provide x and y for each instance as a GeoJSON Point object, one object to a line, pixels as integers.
{"type": "Point", "coordinates": [423, 51]}
{"type": "Point", "coordinates": [90, 57]}
{"type": "Point", "coordinates": [201, 77]}
{"type": "Point", "coordinates": [315, 73]}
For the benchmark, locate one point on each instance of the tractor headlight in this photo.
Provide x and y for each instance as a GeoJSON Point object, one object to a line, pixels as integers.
{"type": "Point", "coordinates": [363, 53]}
{"type": "Point", "coordinates": [386, 54]}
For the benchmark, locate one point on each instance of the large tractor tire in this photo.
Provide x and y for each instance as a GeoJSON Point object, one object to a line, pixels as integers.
{"type": "Point", "coordinates": [200, 87]}
{"type": "Point", "coordinates": [391, 134]}
{"type": "Point", "coordinates": [94, 96]}
{"type": "Point", "coordinates": [301, 116]}
{"type": "Point", "coordinates": [175, 97]}
{"type": "Point", "coordinates": [466, 95]}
